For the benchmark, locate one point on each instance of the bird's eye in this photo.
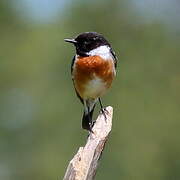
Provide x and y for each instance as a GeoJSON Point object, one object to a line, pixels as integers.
{"type": "Point", "coordinates": [95, 38]}
{"type": "Point", "coordinates": [87, 43]}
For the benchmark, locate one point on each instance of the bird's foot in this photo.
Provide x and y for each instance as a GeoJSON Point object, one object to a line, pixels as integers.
{"type": "Point", "coordinates": [105, 112]}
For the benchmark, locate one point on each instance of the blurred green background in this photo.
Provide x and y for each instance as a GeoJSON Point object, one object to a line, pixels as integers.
{"type": "Point", "coordinates": [40, 116]}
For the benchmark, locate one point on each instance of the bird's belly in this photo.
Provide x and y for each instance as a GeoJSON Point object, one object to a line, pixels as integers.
{"type": "Point", "coordinates": [93, 77]}
{"type": "Point", "coordinates": [94, 88]}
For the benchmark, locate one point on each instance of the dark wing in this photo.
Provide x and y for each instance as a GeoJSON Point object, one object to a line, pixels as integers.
{"type": "Point", "coordinates": [114, 56]}
{"type": "Point", "coordinates": [72, 64]}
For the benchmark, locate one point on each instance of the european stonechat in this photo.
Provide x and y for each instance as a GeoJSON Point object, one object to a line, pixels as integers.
{"type": "Point", "coordinates": [93, 69]}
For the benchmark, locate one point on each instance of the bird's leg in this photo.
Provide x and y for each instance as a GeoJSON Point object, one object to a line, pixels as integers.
{"type": "Point", "coordinates": [103, 110]}
{"type": "Point", "coordinates": [90, 121]}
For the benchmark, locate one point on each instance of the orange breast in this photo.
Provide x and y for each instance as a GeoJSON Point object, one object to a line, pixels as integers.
{"type": "Point", "coordinates": [88, 68]}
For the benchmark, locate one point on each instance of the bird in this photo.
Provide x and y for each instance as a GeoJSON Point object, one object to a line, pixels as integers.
{"type": "Point", "coordinates": [93, 69]}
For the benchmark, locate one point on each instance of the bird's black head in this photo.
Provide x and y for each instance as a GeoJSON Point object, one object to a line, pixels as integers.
{"type": "Point", "coordinates": [88, 41]}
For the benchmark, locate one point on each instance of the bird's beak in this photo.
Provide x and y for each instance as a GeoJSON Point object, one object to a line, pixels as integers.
{"type": "Point", "coordinates": [73, 41]}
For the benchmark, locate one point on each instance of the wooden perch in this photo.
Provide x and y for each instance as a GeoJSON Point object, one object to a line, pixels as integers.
{"type": "Point", "coordinates": [84, 164]}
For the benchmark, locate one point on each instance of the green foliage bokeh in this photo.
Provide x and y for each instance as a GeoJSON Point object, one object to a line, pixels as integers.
{"type": "Point", "coordinates": [40, 116]}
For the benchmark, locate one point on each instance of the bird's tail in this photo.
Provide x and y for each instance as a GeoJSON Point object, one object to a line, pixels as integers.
{"type": "Point", "coordinates": [87, 121]}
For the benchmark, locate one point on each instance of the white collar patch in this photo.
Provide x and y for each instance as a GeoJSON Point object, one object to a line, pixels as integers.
{"type": "Point", "coordinates": [103, 51]}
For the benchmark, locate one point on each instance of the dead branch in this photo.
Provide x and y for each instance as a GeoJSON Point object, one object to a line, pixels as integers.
{"type": "Point", "coordinates": [83, 166]}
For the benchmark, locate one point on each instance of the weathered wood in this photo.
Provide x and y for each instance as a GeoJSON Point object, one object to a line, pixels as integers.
{"type": "Point", "coordinates": [83, 166]}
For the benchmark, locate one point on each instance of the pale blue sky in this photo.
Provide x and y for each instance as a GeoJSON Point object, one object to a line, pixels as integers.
{"type": "Point", "coordinates": [40, 10]}
{"type": "Point", "coordinates": [167, 11]}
